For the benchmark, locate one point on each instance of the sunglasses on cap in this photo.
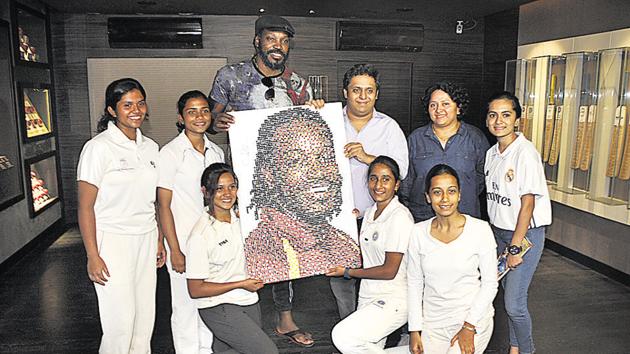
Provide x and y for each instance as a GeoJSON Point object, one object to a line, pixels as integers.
{"type": "Point", "coordinates": [270, 94]}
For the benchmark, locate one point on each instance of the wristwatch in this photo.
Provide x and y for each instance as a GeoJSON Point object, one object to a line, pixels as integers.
{"type": "Point", "coordinates": [514, 249]}
{"type": "Point", "coordinates": [346, 274]}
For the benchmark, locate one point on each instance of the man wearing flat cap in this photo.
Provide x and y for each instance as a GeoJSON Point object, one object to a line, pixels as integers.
{"type": "Point", "coordinates": [261, 82]}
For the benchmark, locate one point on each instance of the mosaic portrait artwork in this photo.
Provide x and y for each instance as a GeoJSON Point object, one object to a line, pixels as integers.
{"type": "Point", "coordinates": [295, 197]}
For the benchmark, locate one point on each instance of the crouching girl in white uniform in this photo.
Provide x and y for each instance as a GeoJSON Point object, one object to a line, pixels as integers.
{"type": "Point", "coordinates": [117, 176]}
{"type": "Point", "coordinates": [452, 274]}
{"type": "Point", "coordinates": [383, 292]}
{"type": "Point", "coordinates": [215, 268]}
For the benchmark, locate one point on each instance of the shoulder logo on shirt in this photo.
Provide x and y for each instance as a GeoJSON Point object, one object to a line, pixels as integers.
{"type": "Point", "coordinates": [224, 242]}
{"type": "Point", "coordinates": [509, 175]}
{"type": "Point", "coordinates": [152, 163]}
{"type": "Point", "coordinates": [375, 236]}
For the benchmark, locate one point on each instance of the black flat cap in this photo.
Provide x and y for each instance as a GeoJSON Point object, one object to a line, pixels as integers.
{"type": "Point", "coordinates": [274, 23]}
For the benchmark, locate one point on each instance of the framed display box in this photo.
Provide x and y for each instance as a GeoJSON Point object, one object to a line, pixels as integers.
{"type": "Point", "coordinates": [31, 37]}
{"type": "Point", "coordinates": [41, 172]}
{"type": "Point", "coordinates": [11, 187]}
{"type": "Point", "coordinates": [35, 111]}
{"type": "Point", "coordinates": [610, 170]}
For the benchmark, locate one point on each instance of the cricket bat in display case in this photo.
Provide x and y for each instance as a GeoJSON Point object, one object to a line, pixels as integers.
{"type": "Point", "coordinates": [549, 119]}
{"type": "Point", "coordinates": [579, 139]}
{"type": "Point", "coordinates": [589, 135]}
{"type": "Point", "coordinates": [624, 170]}
{"type": "Point", "coordinates": [616, 142]}
{"type": "Point", "coordinates": [555, 139]}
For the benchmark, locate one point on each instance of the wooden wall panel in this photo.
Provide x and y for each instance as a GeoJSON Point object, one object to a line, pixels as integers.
{"type": "Point", "coordinates": [77, 37]}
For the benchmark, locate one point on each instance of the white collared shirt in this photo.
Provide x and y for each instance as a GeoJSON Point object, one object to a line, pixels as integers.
{"type": "Point", "coordinates": [216, 254]}
{"type": "Point", "coordinates": [388, 233]}
{"type": "Point", "coordinates": [510, 175]}
{"type": "Point", "coordinates": [125, 173]}
{"type": "Point", "coordinates": [181, 167]}
{"type": "Point", "coordinates": [380, 136]}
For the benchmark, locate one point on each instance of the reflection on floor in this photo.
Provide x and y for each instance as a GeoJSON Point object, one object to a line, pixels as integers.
{"type": "Point", "coordinates": [48, 305]}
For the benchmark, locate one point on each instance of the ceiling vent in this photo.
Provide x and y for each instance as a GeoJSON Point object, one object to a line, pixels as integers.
{"type": "Point", "coordinates": [378, 36]}
{"type": "Point", "coordinates": [154, 32]}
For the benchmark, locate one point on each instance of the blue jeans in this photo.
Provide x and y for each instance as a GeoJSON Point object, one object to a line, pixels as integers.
{"type": "Point", "coordinates": [516, 284]}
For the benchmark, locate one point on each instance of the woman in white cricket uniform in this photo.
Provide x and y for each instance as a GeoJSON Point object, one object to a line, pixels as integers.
{"type": "Point", "coordinates": [180, 202]}
{"type": "Point", "coordinates": [518, 207]}
{"type": "Point", "coordinates": [215, 267]}
{"type": "Point", "coordinates": [452, 274]}
{"type": "Point", "coordinates": [117, 176]}
{"type": "Point", "coordinates": [384, 240]}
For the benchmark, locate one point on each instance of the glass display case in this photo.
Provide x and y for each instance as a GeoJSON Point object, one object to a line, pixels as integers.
{"type": "Point", "coordinates": [516, 77]}
{"type": "Point", "coordinates": [580, 98]}
{"type": "Point", "coordinates": [554, 113]}
{"type": "Point", "coordinates": [41, 172]}
{"type": "Point", "coordinates": [610, 169]}
{"type": "Point", "coordinates": [526, 123]}
{"type": "Point", "coordinates": [36, 111]}
{"type": "Point", "coordinates": [11, 186]}
{"type": "Point", "coordinates": [31, 36]}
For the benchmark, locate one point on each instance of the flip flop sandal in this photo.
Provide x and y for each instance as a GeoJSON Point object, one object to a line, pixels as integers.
{"type": "Point", "coordinates": [291, 336]}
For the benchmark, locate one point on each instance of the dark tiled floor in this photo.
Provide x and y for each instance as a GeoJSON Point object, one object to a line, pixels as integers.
{"type": "Point", "coordinates": [47, 305]}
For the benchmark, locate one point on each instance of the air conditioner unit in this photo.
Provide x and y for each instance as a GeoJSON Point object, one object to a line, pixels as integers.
{"type": "Point", "coordinates": [154, 32]}
{"type": "Point", "coordinates": [378, 36]}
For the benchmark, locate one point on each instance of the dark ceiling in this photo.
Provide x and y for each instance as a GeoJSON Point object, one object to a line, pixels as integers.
{"type": "Point", "coordinates": [406, 10]}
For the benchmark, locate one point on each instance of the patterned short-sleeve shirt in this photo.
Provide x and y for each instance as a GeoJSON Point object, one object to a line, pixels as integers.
{"type": "Point", "coordinates": [240, 87]}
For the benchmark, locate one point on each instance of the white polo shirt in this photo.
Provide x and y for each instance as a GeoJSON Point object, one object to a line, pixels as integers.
{"type": "Point", "coordinates": [216, 254]}
{"type": "Point", "coordinates": [181, 167]}
{"type": "Point", "coordinates": [125, 173]}
{"type": "Point", "coordinates": [450, 283]}
{"type": "Point", "coordinates": [388, 233]}
{"type": "Point", "coordinates": [510, 175]}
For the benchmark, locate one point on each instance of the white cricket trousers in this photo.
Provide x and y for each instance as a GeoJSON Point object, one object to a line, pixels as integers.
{"type": "Point", "coordinates": [190, 334]}
{"type": "Point", "coordinates": [438, 340]}
{"type": "Point", "coordinates": [126, 303]}
{"type": "Point", "coordinates": [366, 330]}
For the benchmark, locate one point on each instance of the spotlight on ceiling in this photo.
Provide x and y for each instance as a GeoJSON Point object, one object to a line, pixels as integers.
{"type": "Point", "coordinates": [261, 10]}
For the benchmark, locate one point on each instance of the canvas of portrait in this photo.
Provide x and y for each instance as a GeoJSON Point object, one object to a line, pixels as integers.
{"type": "Point", "coordinates": [295, 197]}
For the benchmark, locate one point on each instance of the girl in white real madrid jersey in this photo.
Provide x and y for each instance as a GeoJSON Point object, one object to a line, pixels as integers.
{"type": "Point", "coordinates": [215, 267]}
{"type": "Point", "coordinates": [384, 240]}
{"type": "Point", "coordinates": [117, 176]}
{"type": "Point", "coordinates": [180, 201]}
{"type": "Point", "coordinates": [518, 207]}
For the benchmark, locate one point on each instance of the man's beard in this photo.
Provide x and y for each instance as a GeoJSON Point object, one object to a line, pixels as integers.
{"type": "Point", "coordinates": [270, 64]}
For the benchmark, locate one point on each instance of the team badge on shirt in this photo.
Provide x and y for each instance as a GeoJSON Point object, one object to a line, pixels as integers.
{"type": "Point", "coordinates": [509, 176]}
{"type": "Point", "coordinates": [375, 236]}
